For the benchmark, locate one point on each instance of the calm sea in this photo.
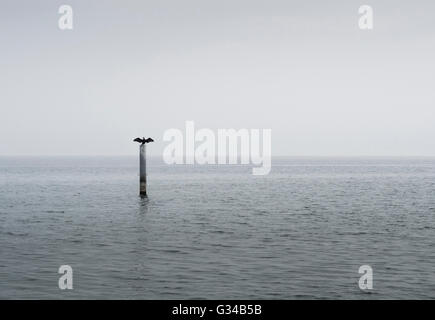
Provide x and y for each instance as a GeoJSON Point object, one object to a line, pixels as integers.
{"type": "Point", "coordinates": [217, 232]}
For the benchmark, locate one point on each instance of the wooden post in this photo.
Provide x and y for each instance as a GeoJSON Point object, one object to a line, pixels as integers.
{"type": "Point", "coordinates": [142, 170]}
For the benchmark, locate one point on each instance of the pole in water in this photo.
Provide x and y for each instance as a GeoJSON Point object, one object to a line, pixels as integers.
{"type": "Point", "coordinates": [142, 170]}
{"type": "Point", "coordinates": [143, 165]}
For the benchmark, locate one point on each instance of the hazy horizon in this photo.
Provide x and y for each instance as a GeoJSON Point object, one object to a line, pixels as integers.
{"type": "Point", "coordinates": [154, 156]}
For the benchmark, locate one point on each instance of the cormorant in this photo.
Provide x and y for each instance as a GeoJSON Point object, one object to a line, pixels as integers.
{"type": "Point", "coordinates": [143, 140]}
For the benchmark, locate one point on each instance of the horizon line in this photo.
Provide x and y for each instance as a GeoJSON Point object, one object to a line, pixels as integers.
{"type": "Point", "coordinates": [158, 156]}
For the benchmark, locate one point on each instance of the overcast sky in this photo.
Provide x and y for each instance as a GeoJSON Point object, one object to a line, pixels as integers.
{"type": "Point", "coordinates": [137, 68]}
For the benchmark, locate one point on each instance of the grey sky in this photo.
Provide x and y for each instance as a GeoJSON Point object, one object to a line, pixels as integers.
{"type": "Point", "coordinates": [301, 68]}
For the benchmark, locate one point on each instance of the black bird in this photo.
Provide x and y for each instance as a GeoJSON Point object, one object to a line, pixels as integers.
{"type": "Point", "coordinates": [143, 140]}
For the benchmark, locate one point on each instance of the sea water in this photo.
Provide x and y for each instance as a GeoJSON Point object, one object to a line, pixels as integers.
{"type": "Point", "coordinates": [217, 232]}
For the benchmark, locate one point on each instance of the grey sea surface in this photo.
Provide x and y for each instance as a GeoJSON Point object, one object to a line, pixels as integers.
{"type": "Point", "coordinates": [217, 232]}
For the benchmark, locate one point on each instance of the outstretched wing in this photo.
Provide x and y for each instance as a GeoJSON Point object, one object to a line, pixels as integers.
{"type": "Point", "coordinates": [138, 140]}
{"type": "Point", "coordinates": [148, 140]}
